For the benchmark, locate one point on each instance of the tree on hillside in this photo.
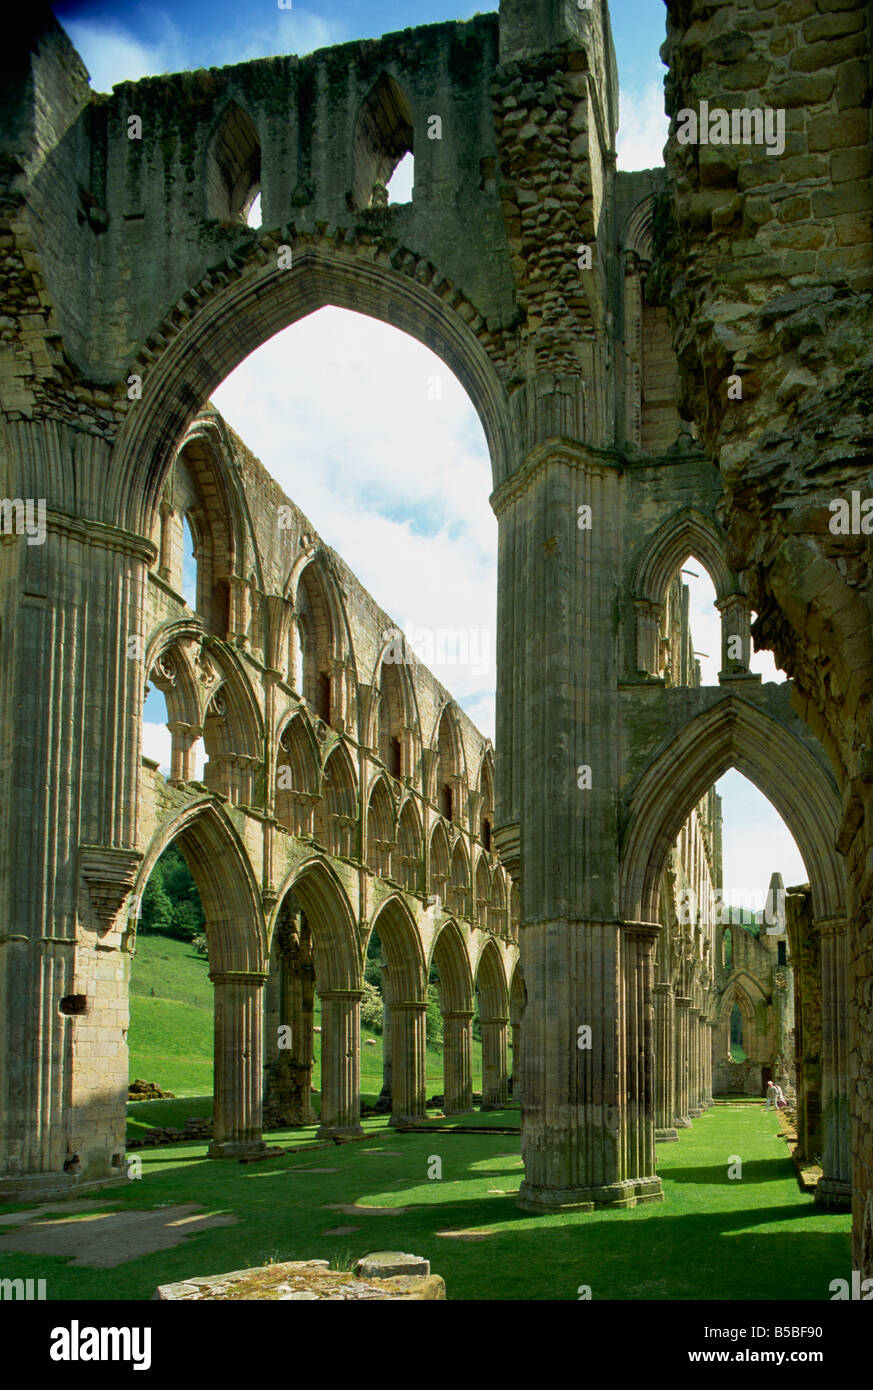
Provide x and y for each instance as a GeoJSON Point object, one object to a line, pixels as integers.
{"type": "Point", "coordinates": [171, 904]}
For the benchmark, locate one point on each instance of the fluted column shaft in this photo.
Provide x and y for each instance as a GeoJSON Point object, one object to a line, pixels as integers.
{"type": "Point", "coordinates": [495, 1072]}
{"type": "Point", "coordinates": [408, 1061]}
{"type": "Point", "coordinates": [457, 1062]}
{"type": "Point", "coordinates": [665, 1063]}
{"type": "Point", "coordinates": [695, 1109]}
{"type": "Point", "coordinates": [682, 1007]}
{"type": "Point", "coordinates": [237, 1123]}
{"type": "Point", "coordinates": [340, 1062]}
{"type": "Point", "coordinates": [834, 1189]}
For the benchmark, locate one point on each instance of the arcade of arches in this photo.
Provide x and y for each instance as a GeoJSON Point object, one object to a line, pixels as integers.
{"type": "Point", "coordinates": [345, 794]}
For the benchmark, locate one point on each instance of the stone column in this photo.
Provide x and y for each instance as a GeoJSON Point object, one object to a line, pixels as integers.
{"type": "Point", "coordinates": [384, 1099]}
{"type": "Point", "coordinates": [495, 1071]}
{"type": "Point", "coordinates": [708, 1047]}
{"type": "Point", "coordinates": [458, 1074]}
{"type": "Point", "coordinates": [639, 941]}
{"type": "Point", "coordinates": [648, 636]}
{"type": "Point", "coordinates": [68, 824]}
{"type": "Point", "coordinates": [184, 737]}
{"type": "Point", "coordinates": [408, 1062]}
{"type": "Point", "coordinates": [237, 1126]}
{"type": "Point", "coordinates": [736, 619]}
{"type": "Point", "coordinates": [682, 1007]}
{"type": "Point", "coordinates": [665, 1064]}
{"type": "Point", "coordinates": [834, 1189]}
{"type": "Point", "coordinates": [695, 1109]}
{"type": "Point", "coordinates": [340, 1062]}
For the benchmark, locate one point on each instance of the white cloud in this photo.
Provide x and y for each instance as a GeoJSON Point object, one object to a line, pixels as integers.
{"type": "Point", "coordinates": [757, 842]}
{"type": "Point", "coordinates": [643, 128]}
{"type": "Point", "coordinates": [112, 53]}
{"type": "Point", "coordinates": [338, 408]}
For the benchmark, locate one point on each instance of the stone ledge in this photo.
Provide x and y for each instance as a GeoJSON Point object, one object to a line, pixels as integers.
{"type": "Point", "coordinates": [302, 1280]}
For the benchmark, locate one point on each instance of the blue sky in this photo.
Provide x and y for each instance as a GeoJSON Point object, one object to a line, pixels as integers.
{"type": "Point", "coordinates": [337, 407]}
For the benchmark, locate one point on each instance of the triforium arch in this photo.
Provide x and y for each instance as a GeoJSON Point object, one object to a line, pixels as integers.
{"type": "Point", "coordinates": [688, 532]}
{"type": "Point", "coordinates": [236, 938]}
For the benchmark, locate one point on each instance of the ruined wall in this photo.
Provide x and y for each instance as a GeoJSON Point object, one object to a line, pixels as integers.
{"type": "Point", "coordinates": [772, 269]}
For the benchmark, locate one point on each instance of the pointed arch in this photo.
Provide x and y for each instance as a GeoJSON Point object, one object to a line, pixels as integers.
{"type": "Point", "coordinates": [490, 981]}
{"type": "Point", "coordinates": [497, 920]}
{"type": "Point", "coordinates": [486, 794]}
{"type": "Point", "coordinates": [455, 984]}
{"type": "Point", "coordinates": [448, 779]}
{"type": "Point", "coordinates": [232, 732]}
{"type": "Point", "coordinates": [384, 133]}
{"type": "Point", "coordinates": [440, 862]}
{"type": "Point", "coordinates": [687, 532]}
{"type": "Point", "coordinates": [381, 831]}
{"type": "Point", "coordinates": [460, 887]}
{"type": "Point", "coordinates": [731, 733]}
{"type": "Point", "coordinates": [409, 846]}
{"type": "Point", "coordinates": [401, 947]}
{"type": "Point", "coordinates": [332, 923]}
{"type": "Point", "coordinates": [297, 774]}
{"type": "Point", "coordinates": [483, 891]}
{"type": "Point", "coordinates": [235, 929]}
{"type": "Point", "coordinates": [233, 165]}
{"type": "Point", "coordinates": [337, 818]}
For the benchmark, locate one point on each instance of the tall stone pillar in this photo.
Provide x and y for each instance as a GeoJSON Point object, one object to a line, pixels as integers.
{"type": "Point", "coordinates": [384, 1101]}
{"type": "Point", "coordinates": [237, 1124]}
{"type": "Point", "coordinates": [340, 1062]}
{"type": "Point", "coordinates": [587, 1112]}
{"type": "Point", "coordinates": [708, 1046]}
{"type": "Point", "coordinates": [834, 1189]}
{"type": "Point", "coordinates": [457, 1049]}
{"type": "Point", "coordinates": [693, 1045]}
{"type": "Point", "coordinates": [70, 718]}
{"type": "Point", "coordinates": [495, 1071]}
{"type": "Point", "coordinates": [665, 1064]}
{"type": "Point", "coordinates": [806, 957]}
{"type": "Point", "coordinates": [408, 1062]}
{"type": "Point", "coordinates": [683, 1007]}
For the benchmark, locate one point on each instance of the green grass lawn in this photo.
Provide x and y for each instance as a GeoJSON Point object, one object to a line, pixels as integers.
{"type": "Point", "coordinates": [170, 1036]}
{"type": "Point", "coordinates": [756, 1238]}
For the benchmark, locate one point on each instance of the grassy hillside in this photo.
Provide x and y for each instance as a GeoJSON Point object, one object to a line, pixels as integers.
{"type": "Point", "coordinates": [170, 1038]}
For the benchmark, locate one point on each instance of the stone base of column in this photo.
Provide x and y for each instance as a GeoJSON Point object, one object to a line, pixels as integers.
{"type": "Point", "coordinates": [833, 1195]}
{"type": "Point", "coordinates": [235, 1148]}
{"type": "Point", "coordinates": [631, 1193]}
{"type": "Point", "coordinates": [404, 1121]}
{"type": "Point", "coordinates": [493, 1105]}
{"type": "Point", "coordinates": [666, 1136]}
{"type": "Point", "coordinates": [468, 1110]}
{"type": "Point", "coordinates": [682, 1122]}
{"type": "Point", "coordinates": [694, 1112]}
{"type": "Point", "coordinates": [339, 1132]}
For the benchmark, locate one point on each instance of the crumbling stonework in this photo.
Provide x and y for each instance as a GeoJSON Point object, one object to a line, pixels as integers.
{"type": "Point", "coordinates": [772, 271]}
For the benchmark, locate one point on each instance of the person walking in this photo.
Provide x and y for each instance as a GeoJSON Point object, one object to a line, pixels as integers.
{"type": "Point", "coordinates": [772, 1095]}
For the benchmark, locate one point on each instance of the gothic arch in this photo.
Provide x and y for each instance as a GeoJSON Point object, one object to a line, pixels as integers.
{"type": "Point", "coordinates": [448, 763]}
{"type": "Point", "coordinates": [401, 945]}
{"type": "Point", "coordinates": [685, 533]}
{"type": "Point", "coordinates": [381, 827]}
{"type": "Point", "coordinates": [239, 307]}
{"type": "Point", "coordinates": [409, 839]}
{"type": "Point", "coordinates": [332, 922]}
{"type": "Point", "coordinates": [337, 815]}
{"type": "Point", "coordinates": [450, 956]}
{"type": "Point", "coordinates": [384, 133]}
{"type": "Point", "coordinates": [490, 980]}
{"type": "Point", "coordinates": [234, 921]}
{"type": "Point", "coordinates": [233, 165]}
{"type": "Point", "coordinates": [439, 861]}
{"type": "Point", "coordinates": [732, 733]}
